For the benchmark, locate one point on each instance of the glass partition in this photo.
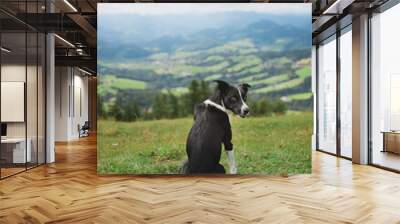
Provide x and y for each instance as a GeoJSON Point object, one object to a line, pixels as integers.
{"type": "Point", "coordinates": [13, 94]}
{"type": "Point", "coordinates": [32, 86]}
{"type": "Point", "coordinates": [327, 95]}
{"type": "Point", "coordinates": [22, 77]}
{"type": "Point", "coordinates": [32, 95]}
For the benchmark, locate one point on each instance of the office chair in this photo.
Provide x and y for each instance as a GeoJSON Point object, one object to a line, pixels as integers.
{"type": "Point", "coordinates": [84, 130]}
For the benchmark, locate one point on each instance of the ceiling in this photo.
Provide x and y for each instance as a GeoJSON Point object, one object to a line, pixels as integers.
{"type": "Point", "coordinates": [75, 21]}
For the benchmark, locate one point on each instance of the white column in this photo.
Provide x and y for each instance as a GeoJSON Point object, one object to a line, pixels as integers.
{"type": "Point", "coordinates": [360, 90]}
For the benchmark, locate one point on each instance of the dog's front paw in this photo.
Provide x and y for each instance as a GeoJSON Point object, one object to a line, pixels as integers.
{"type": "Point", "coordinates": [233, 170]}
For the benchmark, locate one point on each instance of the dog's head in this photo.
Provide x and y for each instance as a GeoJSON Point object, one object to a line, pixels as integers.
{"type": "Point", "coordinates": [234, 97]}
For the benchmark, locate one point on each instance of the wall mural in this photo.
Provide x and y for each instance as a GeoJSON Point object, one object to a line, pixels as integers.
{"type": "Point", "coordinates": [195, 88]}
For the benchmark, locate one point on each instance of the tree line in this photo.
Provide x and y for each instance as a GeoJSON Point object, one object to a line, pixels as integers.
{"type": "Point", "coordinates": [168, 105]}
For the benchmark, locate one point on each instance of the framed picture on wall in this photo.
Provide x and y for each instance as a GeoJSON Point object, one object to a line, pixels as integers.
{"type": "Point", "coordinates": [210, 88]}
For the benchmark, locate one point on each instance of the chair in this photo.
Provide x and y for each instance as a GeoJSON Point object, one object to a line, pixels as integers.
{"type": "Point", "coordinates": [84, 130]}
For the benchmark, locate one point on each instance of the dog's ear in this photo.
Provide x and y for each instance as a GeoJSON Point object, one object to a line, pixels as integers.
{"type": "Point", "coordinates": [222, 85]}
{"type": "Point", "coordinates": [245, 87]}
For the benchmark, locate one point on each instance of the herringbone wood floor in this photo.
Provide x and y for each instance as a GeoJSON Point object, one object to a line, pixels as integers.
{"type": "Point", "coordinates": [70, 191]}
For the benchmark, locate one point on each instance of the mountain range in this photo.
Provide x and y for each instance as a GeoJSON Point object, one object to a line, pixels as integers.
{"type": "Point", "coordinates": [165, 53]}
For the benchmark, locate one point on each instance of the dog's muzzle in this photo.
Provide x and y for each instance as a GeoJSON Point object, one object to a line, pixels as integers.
{"type": "Point", "coordinates": [244, 112]}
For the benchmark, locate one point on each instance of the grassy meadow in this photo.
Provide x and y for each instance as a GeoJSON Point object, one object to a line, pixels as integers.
{"type": "Point", "coordinates": [263, 145]}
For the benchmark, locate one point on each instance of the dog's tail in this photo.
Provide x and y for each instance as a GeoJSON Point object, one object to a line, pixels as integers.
{"type": "Point", "coordinates": [184, 168]}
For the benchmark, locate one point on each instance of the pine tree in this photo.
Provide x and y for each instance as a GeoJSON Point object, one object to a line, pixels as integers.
{"type": "Point", "coordinates": [280, 107]}
{"type": "Point", "coordinates": [101, 111]}
{"type": "Point", "coordinates": [116, 110]}
{"type": "Point", "coordinates": [253, 108]}
{"type": "Point", "coordinates": [184, 105]}
{"type": "Point", "coordinates": [173, 104]}
{"type": "Point", "coordinates": [264, 106]}
{"type": "Point", "coordinates": [193, 95]}
{"type": "Point", "coordinates": [132, 111]}
{"type": "Point", "coordinates": [159, 106]}
{"type": "Point", "coordinates": [204, 90]}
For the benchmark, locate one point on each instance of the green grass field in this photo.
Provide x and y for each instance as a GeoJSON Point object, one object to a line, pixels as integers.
{"type": "Point", "coordinates": [111, 82]}
{"type": "Point", "coordinates": [304, 72]}
{"type": "Point", "coordinates": [271, 80]}
{"type": "Point", "coordinates": [276, 145]}
{"type": "Point", "coordinates": [280, 86]}
{"type": "Point", "coordinates": [300, 96]}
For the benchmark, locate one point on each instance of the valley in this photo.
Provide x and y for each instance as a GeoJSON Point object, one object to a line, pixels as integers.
{"type": "Point", "coordinates": [276, 66]}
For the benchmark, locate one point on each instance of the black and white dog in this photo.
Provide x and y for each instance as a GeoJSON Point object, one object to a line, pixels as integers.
{"type": "Point", "coordinates": [212, 127]}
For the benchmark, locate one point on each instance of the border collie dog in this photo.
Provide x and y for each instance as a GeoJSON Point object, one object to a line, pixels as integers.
{"type": "Point", "coordinates": [212, 128]}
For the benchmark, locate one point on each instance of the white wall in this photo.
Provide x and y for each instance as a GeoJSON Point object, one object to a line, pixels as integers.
{"type": "Point", "coordinates": [17, 73]}
{"type": "Point", "coordinates": [82, 83]}
{"type": "Point", "coordinates": [62, 82]}
{"type": "Point", "coordinates": [13, 73]}
{"type": "Point", "coordinates": [80, 115]}
{"type": "Point", "coordinates": [71, 94]}
{"type": "Point", "coordinates": [33, 126]}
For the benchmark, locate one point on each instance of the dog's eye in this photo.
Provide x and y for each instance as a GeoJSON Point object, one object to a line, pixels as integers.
{"type": "Point", "coordinates": [233, 98]}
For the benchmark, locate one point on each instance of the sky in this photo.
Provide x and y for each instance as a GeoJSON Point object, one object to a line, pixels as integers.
{"type": "Point", "coordinates": [201, 8]}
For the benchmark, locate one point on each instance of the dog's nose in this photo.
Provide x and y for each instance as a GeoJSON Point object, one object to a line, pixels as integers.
{"type": "Point", "coordinates": [246, 111]}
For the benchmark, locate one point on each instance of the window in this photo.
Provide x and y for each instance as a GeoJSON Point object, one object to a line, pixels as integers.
{"type": "Point", "coordinates": [346, 92]}
{"type": "Point", "coordinates": [327, 95]}
{"type": "Point", "coordinates": [385, 89]}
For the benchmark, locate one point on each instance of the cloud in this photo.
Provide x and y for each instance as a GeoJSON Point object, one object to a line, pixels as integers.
{"type": "Point", "coordinates": [201, 8]}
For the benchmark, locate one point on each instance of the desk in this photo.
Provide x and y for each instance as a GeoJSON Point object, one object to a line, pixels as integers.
{"type": "Point", "coordinates": [391, 141]}
{"type": "Point", "coordinates": [15, 148]}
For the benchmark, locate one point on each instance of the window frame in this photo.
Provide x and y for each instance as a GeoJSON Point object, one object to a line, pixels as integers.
{"type": "Point", "coordinates": [337, 34]}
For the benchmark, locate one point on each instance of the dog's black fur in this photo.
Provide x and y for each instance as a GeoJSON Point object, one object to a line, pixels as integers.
{"type": "Point", "coordinates": [211, 128]}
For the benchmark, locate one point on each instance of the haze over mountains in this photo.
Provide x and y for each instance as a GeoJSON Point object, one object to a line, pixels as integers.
{"type": "Point", "coordinates": [147, 52]}
{"type": "Point", "coordinates": [134, 28]}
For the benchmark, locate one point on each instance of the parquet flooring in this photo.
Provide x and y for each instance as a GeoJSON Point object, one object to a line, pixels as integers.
{"type": "Point", "coordinates": [70, 191]}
